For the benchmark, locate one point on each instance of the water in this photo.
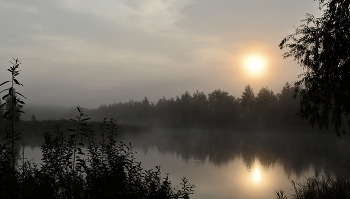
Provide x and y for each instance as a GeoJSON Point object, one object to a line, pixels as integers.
{"type": "Point", "coordinates": [232, 180]}
{"type": "Point", "coordinates": [225, 164]}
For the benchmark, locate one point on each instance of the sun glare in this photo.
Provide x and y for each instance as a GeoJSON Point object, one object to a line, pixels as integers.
{"type": "Point", "coordinates": [254, 65]}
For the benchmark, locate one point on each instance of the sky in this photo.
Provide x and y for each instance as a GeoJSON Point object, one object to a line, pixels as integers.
{"type": "Point", "coordinates": [88, 52]}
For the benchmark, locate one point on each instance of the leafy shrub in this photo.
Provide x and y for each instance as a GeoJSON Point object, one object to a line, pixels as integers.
{"type": "Point", "coordinates": [77, 163]}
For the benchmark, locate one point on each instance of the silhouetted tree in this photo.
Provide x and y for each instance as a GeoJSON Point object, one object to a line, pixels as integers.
{"type": "Point", "coordinates": [247, 103]}
{"type": "Point", "coordinates": [186, 108]}
{"type": "Point", "coordinates": [322, 47]}
{"type": "Point", "coordinates": [288, 103]}
{"type": "Point", "coordinates": [145, 110]}
{"type": "Point", "coordinates": [266, 103]}
{"type": "Point", "coordinates": [33, 118]}
{"type": "Point", "coordinates": [172, 110]}
{"type": "Point", "coordinates": [200, 107]}
{"type": "Point", "coordinates": [223, 108]}
{"type": "Point", "coordinates": [199, 110]}
{"type": "Point", "coordinates": [145, 102]}
{"type": "Point", "coordinates": [161, 109]}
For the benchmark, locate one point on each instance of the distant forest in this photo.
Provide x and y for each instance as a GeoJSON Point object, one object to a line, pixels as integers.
{"type": "Point", "coordinates": [218, 108]}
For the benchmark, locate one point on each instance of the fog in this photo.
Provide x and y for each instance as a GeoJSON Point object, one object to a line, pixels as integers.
{"type": "Point", "coordinates": [174, 75]}
{"type": "Point", "coordinates": [104, 52]}
{"type": "Point", "coordinates": [257, 138]}
{"type": "Point", "coordinates": [212, 155]}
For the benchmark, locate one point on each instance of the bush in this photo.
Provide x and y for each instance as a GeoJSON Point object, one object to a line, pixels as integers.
{"type": "Point", "coordinates": [77, 163]}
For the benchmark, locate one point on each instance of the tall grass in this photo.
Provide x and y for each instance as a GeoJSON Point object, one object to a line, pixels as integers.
{"type": "Point", "coordinates": [78, 163]}
{"type": "Point", "coordinates": [319, 188]}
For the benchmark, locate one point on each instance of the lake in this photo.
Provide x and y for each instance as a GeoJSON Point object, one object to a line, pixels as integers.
{"type": "Point", "coordinates": [225, 164]}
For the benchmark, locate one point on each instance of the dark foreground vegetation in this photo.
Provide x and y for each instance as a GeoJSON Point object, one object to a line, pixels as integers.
{"type": "Point", "coordinates": [322, 47]}
{"type": "Point", "coordinates": [319, 187]}
{"type": "Point", "coordinates": [77, 162]}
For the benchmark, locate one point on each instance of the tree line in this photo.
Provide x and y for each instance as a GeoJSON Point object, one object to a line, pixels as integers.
{"type": "Point", "coordinates": [218, 108]}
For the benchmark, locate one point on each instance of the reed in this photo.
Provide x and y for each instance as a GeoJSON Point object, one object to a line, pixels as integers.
{"type": "Point", "coordinates": [319, 187]}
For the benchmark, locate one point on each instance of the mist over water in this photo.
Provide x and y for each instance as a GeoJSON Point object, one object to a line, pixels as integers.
{"type": "Point", "coordinates": [232, 163]}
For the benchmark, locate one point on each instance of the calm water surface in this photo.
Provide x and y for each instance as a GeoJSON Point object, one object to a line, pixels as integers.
{"type": "Point", "coordinates": [232, 180]}
{"type": "Point", "coordinates": [226, 165]}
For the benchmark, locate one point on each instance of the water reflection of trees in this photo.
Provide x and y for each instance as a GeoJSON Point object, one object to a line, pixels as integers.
{"type": "Point", "coordinates": [296, 152]}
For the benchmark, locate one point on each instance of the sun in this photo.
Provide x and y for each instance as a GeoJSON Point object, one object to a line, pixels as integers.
{"type": "Point", "coordinates": [254, 65]}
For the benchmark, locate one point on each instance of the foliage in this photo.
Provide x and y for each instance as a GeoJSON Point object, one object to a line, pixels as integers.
{"type": "Point", "coordinates": [319, 188]}
{"type": "Point", "coordinates": [267, 103]}
{"type": "Point", "coordinates": [77, 163]}
{"type": "Point", "coordinates": [17, 106]}
{"type": "Point", "coordinates": [223, 108]}
{"type": "Point", "coordinates": [84, 165]}
{"type": "Point", "coordinates": [247, 103]}
{"type": "Point", "coordinates": [8, 149]}
{"type": "Point", "coordinates": [287, 106]}
{"type": "Point", "coordinates": [216, 109]}
{"type": "Point", "coordinates": [322, 47]}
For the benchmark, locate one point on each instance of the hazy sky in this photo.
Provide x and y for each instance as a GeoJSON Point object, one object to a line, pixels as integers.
{"type": "Point", "coordinates": [88, 52]}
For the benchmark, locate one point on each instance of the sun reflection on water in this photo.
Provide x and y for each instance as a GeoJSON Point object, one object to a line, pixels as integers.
{"type": "Point", "coordinates": [256, 175]}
